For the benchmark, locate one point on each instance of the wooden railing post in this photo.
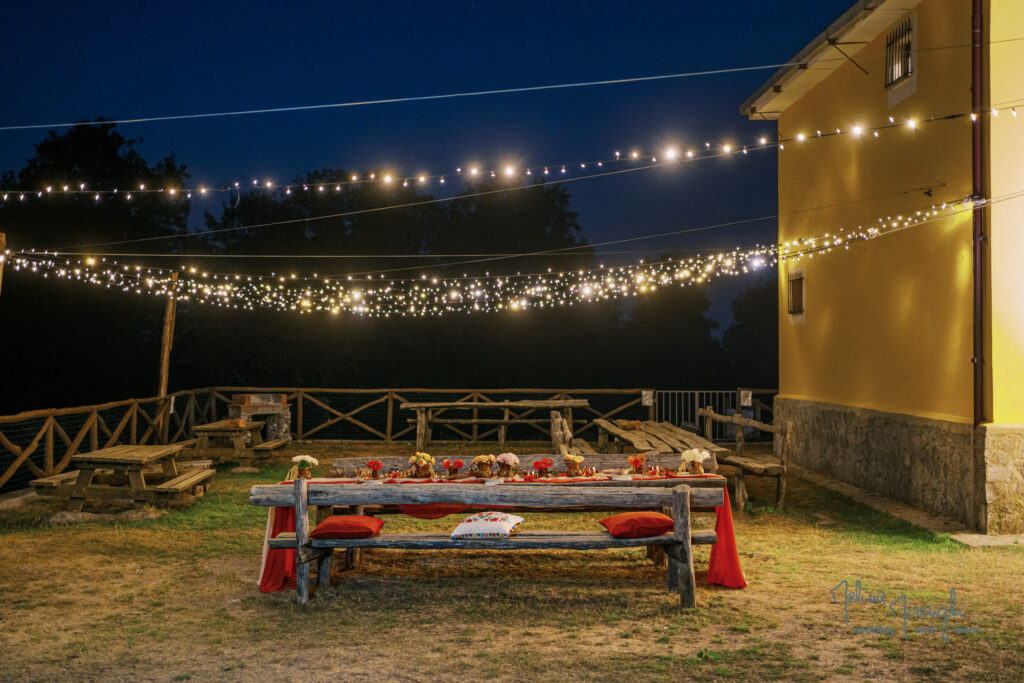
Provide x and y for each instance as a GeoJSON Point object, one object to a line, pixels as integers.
{"type": "Point", "coordinates": [48, 454]}
{"type": "Point", "coordinates": [299, 396]}
{"type": "Point", "coordinates": [391, 416]}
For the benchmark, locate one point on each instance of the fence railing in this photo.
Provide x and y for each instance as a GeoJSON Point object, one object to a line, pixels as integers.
{"type": "Point", "coordinates": [680, 407]}
{"type": "Point", "coordinates": [40, 443]}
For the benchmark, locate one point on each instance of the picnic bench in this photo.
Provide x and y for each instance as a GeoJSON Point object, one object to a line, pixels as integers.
{"type": "Point", "coordinates": [144, 474]}
{"type": "Point", "coordinates": [677, 501]}
{"type": "Point", "coordinates": [233, 440]}
{"type": "Point", "coordinates": [512, 412]}
{"type": "Point", "coordinates": [761, 466]}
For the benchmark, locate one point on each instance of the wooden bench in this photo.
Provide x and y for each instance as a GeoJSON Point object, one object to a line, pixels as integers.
{"type": "Point", "coordinates": [190, 481]}
{"type": "Point", "coordinates": [678, 501]}
{"type": "Point", "coordinates": [270, 445]}
{"type": "Point", "coordinates": [762, 466]}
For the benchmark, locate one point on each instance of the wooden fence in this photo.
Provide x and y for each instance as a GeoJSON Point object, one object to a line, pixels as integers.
{"type": "Point", "coordinates": [40, 443]}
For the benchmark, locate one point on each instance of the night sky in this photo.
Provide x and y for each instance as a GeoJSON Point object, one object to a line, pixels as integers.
{"type": "Point", "coordinates": [70, 61]}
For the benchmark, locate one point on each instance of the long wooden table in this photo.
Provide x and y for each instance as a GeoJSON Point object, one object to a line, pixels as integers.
{"type": "Point", "coordinates": [225, 440]}
{"type": "Point", "coordinates": [513, 412]}
{"type": "Point", "coordinates": [120, 472]}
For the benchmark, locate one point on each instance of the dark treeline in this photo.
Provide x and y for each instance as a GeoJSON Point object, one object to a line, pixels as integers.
{"type": "Point", "coordinates": [65, 343]}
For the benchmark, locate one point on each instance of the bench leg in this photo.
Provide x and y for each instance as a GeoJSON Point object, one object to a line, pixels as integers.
{"type": "Point", "coordinates": [323, 572]}
{"type": "Point", "coordinates": [502, 430]}
{"type": "Point", "coordinates": [740, 489]}
{"type": "Point", "coordinates": [656, 554]}
{"type": "Point", "coordinates": [302, 582]}
{"type": "Point", "coordinates": [780, 491]}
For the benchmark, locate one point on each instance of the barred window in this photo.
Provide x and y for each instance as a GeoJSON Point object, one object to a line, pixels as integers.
{"type": "Point", "coordinates": [898, 54]}
{"type": "Point", "coordinates": [796, 293]}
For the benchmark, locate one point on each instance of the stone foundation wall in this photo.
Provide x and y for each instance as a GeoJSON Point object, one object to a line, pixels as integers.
{"type": "Point", "coordinates": [1001, 448]}
{"type": "Point", "coordinates": [929, 464]}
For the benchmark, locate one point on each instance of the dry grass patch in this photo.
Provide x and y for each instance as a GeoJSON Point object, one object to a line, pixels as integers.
{"type": "Point", "coordinates": [175, 598]}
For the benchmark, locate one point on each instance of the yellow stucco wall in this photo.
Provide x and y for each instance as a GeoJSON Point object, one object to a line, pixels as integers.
{"type": "Point", "coordinates": [1005, 252]}
{"type": "Point", "coordinates": [887, 324]}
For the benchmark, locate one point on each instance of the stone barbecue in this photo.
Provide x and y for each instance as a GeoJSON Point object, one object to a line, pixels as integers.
{"type": "Point", "coordinates": [272, 408]}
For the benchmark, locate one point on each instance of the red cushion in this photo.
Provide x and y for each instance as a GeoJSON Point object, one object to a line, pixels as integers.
{"type": "Point", "coordinates": [638, 524]}
{"type": "Point", "coordinates": [348, 526]}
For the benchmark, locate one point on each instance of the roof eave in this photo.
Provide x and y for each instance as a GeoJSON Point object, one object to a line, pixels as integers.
{"type": "Point", "coordinates": [753, 106]}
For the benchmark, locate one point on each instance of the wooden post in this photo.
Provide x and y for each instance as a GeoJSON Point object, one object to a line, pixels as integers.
{"type": "Point", "coordinates": [168, 336]}
{"type": "Point", "coordinates": [709, 424]}
{"type": "Point", "coordinates": [166, 341]}
{"type": "Point", "coordinates": [683, 569]}
{"type": "Point", "coordinates": [3, 257]}
{"type": "Point", "coordinates": [391, 415]}
{"type": "Point", "coordinates": [301, 540]}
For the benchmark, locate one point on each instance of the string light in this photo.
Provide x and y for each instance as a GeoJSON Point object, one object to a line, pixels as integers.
{"type": "Point", "coordinates": [404, 297]}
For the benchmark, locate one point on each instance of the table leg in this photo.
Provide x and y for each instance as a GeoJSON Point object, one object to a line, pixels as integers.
{"type": "Point", "coordinates": [202, 446]}
{"type": "Point", "coordinates": [85, 476]}
{"type": "Point", "coordinates": [137, 485]}
{"type": "Point", "coordinates": [421, 430]}
{"type": "Point", "coordinates": [239, 444]}
{"type": "Point", "coordinates": [257, 437]}
{"type": "Point", "coordinates": [170, 468]}
{"type": "Point", "coordinates": [352, 554]}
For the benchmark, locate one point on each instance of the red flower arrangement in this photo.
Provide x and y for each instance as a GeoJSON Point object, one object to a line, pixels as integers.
{"type": "Point", "coordinates": [375, 467]}
{"type": "Point", "coordinates": [543, 465]}
{"type": "Point", "coordinates": [453, 466]}
{"type": "Point", "coordinates": [637, 462]}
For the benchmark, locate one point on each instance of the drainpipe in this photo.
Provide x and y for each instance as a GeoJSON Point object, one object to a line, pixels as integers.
{"type": "Point", "coordinates": [978, 235]}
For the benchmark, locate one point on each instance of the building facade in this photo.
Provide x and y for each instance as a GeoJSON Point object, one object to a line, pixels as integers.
{"type": "Point", "coordinates": [902, 357]}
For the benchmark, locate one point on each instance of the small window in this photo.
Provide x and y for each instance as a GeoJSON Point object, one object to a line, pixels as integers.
{"type": "Point", "coordinates": [796, 294]}
{"type": "Point", "coordinates": [899, 53]}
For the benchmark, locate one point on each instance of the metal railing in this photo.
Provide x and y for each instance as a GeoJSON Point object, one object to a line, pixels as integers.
{"type": "Point", "coordinates": [680, 406]}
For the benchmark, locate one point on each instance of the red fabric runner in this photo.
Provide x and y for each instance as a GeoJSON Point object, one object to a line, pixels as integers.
{"type": "Point", "coordinates": [279, 569]}
{"type": "Point", "coordinates": [724, 564]}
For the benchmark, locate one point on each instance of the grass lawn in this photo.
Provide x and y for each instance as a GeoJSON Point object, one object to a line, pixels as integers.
{"type": "Point", "coordinates": [175, 598]}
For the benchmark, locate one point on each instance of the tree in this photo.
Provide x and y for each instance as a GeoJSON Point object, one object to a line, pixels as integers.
{"type": "Point", "coordinates": [101, 158]}
{"type": "Point", "coordinates": [75, 344]}
{"type": "Point", "coordinates": [752, 341]}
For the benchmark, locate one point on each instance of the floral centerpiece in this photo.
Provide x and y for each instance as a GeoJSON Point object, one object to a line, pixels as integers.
{"type": "Point", "coordinates": [692, 461]}
{"type": "Point", "coordinates": [573, 465]}
{"type": "Point", "coordinates": [483, 466]}
{"type": "Point", "coordinates": [542, 466]}
{"type": "Point", "coordinates": [422, 465]}
{"type": "Point", "coordinates": [304, 463]}
{"type": "Point", "coordinates": [375, 466]}
{"type": "Point", "coordinates": [507, 464]}
{"type": "Point", "coordinates": [453, 466]}
{"type": "Point", "coordinates": [636, 462]}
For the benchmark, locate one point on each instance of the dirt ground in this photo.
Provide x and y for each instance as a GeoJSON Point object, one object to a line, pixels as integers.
{"type": "Point", "coordinates": [175, 598]}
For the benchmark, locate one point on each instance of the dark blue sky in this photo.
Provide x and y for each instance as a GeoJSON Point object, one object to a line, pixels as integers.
{"type": "Point", "coordinates": [68, 61]}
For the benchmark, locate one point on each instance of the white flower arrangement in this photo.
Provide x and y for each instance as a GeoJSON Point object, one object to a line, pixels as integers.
{"type": "Point", "coordinates": [508, 459]}
{"type": "Point", "coordinates": [305, 460]}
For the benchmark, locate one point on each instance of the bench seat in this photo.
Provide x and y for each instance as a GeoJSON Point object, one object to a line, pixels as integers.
{"type": "Point", "coordinates": [185, 481]}
{"type": "Point", "coordinates": [525, 540]}
{"type": "Point", "coordinates": [270, 445]}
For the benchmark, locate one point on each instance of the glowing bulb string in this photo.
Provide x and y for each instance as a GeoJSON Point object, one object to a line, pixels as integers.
{"type": "Point", "coordinates": [437, 296]}
{"type": "Point", "coordinates": [514, 173]}
{"type": "Point", "coordinates": [477, 93]}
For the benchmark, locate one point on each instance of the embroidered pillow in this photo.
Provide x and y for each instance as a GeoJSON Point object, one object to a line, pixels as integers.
{"type": "Point", "coordinates": [348, 526]}
{"type": "Point", "coordinates": [638, 524]}
{"type": "Point", "coordinates": [488, 525]}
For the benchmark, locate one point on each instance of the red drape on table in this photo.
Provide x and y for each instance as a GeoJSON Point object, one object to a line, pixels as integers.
{"type": "Point", "coordinates": [724, 565]}
{"type": "Point", "coordinates": [279, 571]}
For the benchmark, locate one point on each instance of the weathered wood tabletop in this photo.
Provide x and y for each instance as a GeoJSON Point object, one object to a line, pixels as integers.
{"type": "Point", "coordinates": [128, 456]}
{"type": "Point", "coordinates": [229, 427]}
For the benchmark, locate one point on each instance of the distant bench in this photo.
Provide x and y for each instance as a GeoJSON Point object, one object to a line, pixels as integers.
{"type": "Point", "coordinates": [677, 501]}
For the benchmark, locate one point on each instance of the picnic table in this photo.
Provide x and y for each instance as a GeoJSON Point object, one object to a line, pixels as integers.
{"type": "Point", "coordinates": [120, 472]}
{"type": "Point", "coordinates": [226, 440]}
{"type": "Point", "coordinates": [512, 412]}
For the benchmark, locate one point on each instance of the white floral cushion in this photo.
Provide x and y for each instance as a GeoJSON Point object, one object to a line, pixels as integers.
{"type": "Point", "coordinates": [488, 525]}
